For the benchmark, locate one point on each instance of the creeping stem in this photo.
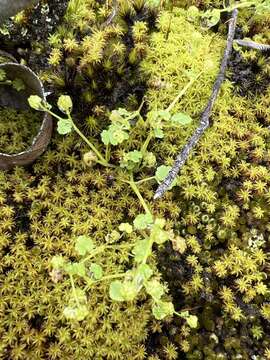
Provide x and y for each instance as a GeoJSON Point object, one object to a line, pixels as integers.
{"type": "Point", "coordinates": [102, 161]}
{"type": "Point", "coordinates": [102, 248]}
{"type": "Point", "coordinates": [74, 290]}
{"type": "Point", "coordinates": [137, 192]}
{"type": "Point", "coordinates": [182, 92]}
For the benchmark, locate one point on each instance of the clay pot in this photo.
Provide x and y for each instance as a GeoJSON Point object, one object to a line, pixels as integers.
{"type": "Point", "coordinates": [9, 97]}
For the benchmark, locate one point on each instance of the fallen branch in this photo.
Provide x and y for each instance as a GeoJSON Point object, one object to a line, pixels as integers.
{"type": "Point", "coordinates": [204, 121]}
{"type": "Point", "coordinates": [112, 15]}
{"type": "Point", "coordinates": [252, 45]}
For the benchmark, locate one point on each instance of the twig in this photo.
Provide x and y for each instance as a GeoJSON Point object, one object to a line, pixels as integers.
{"type": "Point", "coordinates": [252, 45]}
{"type": "Point", "coordinates": [204, 121]}
{"type": "Point", "coordinates": [112, 15]}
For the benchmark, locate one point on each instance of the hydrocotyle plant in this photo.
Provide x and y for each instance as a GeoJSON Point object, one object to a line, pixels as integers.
{"type": "Point", "coordinates": [124, 286]}
{"type": "Point", "coordinates": [150, 229]}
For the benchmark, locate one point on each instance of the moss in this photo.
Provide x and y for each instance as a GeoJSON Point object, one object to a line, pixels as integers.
{"type": "Point", "coordinates": [96, 51]}
{"type": "Point", "coordinates": [220, 211]}
{"type": "Point", "coordinates": [41, 215]}
{"type": "Point", "coordinates": [17, 129]}
{"type": "Point", "coordinates": [223, 196]}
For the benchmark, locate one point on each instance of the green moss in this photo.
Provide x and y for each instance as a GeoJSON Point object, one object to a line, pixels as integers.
{"type": "Point", "coordinates": [41, 215]}
{"type": "Point", "coordinates": [18, 129]}
{"type": "Point", "coordinates": [220, 210]}
{"type": "Point", "coordinates": [223, 196]}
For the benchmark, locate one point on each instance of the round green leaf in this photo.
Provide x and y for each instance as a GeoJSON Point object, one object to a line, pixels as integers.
{"type": "Point", "coordinates": [35, 102]}
{"type": "Point", "coordinates": [126, 227]}
{"type": "Point", "coordinates": [158, 132]}
{"type": "Point", "coordinates": [123, 291]}
{"type": "Point", "coordinates": [105, 137]}
{"type": "Point", "coordinates": [192, 321]}
{"type": "Point", "coordinates": [134, 156]}
{"type": "Point", "coordinates": [64, 126]}
{"type": "Point", "coordinates": [164, 115]}
{"type": "Point", "coordinates": [84, 245]}
{"type": "Point", "coordinates": [116, 291]}
{"type": "Point", "coordinates": [144, 271]}
{"type": "Point", "coordinates": [140, 249]}
{"type": "Point", "coordinates": [142, 221]}
{"type": "Point", "coordinates": [181, 119]}
{"type": "Point", "coordinates": [75, 269]}
{"type": "Point", "coordinates": [162, 309]}
{"type": "Point", "coordinates": [161, 172]}
{"type": "Point", "coordinates": [96, 270]}
{"type": "Point", "coordinates": [158, 235]}
{"type": "Point", "coordinates": [155, 289]}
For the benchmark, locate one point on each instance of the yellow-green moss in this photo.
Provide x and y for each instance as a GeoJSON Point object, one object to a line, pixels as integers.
{"type": "Point", "coordinates": [220, 210]}
{"type": "Point", "coordinates": [17, 129]}
{"type": "Point", "coordinates": [41, 214]}
{"type": "Point", "coordinates": [223, 193]}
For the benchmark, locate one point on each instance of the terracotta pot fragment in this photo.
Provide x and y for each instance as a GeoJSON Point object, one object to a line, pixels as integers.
{"type": "Point", "coordinates": [9, 97]}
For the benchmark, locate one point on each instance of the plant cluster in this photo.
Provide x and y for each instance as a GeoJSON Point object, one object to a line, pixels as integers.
{"type": "Point", "coordinates": [140, 277]}
{"type": "Point", "coordinates": [17, 129]}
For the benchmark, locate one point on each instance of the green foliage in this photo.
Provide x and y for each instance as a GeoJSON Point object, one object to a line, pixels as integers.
{"type": "Point", "coordinates": [131, 160]}
{"type": "Point", "coordinates": [163, 309]}
{"type": "Point", "coordinates": [64, 126]}
{"type": "Point", "coordinates": [88, 51]}
{"type": "Point", "coordinates": [211, 17]}
{"type": "Point", "coordinates": [118, 130]}
{"type": "Point", "coordinates": [65, 104]}
{"type": "Point", "coordinates": [126, 227]}
{"type": "Point", "coordinates": [140, 277]}
{"type": "Point", "coordinates": [181, 119]}
{"type": "Point", "coordinates": [84, 245]}
{"type": "Point", "coordinates": [142, 221]}
{"type": "Point", "coordinates": [223, 236]}
{"type": "Point", "coordinates": [35, 102]}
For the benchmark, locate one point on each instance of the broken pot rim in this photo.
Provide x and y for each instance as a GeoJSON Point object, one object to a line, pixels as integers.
{"type": "Point", "coordinates": [45, 129]}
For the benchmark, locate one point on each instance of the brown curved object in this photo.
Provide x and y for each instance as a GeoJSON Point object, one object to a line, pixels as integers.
{"type": "Point", "coordinates": [8, 56]}
{"type": "Point", "coordinates": [10, 97]}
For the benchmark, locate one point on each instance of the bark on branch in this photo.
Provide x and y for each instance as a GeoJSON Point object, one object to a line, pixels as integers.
{"type": "Point", "coordinates": [204, 121]}
{"type": "Point", "coordinates": [12, 7]}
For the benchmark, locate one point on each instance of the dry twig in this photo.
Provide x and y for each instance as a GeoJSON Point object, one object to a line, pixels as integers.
{"type": "Point", "coordinates": [204, 121]}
